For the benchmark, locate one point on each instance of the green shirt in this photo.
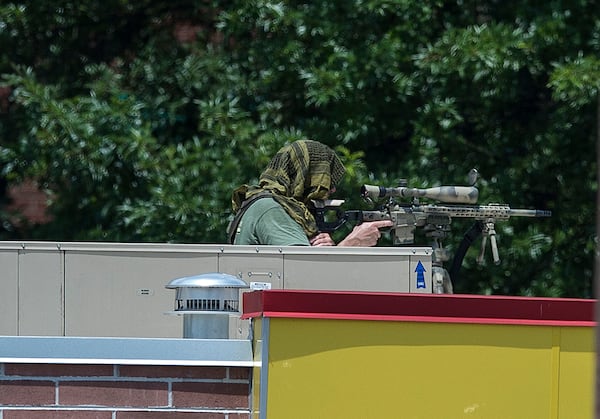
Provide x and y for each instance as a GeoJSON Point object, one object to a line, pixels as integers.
{"type": "Point", "coordinates": [266, 222]}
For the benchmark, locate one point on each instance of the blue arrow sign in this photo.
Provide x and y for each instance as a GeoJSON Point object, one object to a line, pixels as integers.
{"type": "Point", "coordinates": [420, 270]}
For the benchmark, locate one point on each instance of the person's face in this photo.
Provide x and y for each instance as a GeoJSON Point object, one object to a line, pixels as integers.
{"type": "Point", "coordinates": [330, 192]}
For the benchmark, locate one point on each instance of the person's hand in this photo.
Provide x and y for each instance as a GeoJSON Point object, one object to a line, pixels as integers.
{"type": "Point", "coordinates": [366, 234]}
{"type": "Point", "coordinates": [322, 239]}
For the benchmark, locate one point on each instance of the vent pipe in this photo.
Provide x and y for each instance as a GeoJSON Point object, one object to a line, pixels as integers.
{"type": "Point", "coordinates": [206, 302]}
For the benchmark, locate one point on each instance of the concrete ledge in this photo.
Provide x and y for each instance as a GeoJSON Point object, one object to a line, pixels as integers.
{"type": "Point", "coordinates": [126, 351]}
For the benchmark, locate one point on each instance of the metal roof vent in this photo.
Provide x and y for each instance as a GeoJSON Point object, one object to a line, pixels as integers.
{"type": "Point", "coordinates": [206, 301]}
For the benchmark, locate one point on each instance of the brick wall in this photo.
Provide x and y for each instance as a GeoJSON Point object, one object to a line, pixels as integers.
{"type": "Point", "coordinates": [81, 391]}
{"type": "Point", "coordinates": [29, 201]}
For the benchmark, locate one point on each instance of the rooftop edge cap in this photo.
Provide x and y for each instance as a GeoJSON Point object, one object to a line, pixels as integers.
{"type": "Point", "coordinates": [208, 280]}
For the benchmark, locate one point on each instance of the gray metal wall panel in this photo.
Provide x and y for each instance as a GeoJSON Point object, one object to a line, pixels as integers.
{"type": "Point", "coordinates": [263, 266]}
{"type": "Point", "coordinates": [254, 267]}
{"type": "Point", "coordinates": [347, 272]}
{"type": "Point", "coordinates": [118, 289]}
{"type": "Point", "coordinates": [41, 293]}
{"type": "Point", "coordinates": [9, 295]}
{"type": "Point", "coordinates": [123, 294]}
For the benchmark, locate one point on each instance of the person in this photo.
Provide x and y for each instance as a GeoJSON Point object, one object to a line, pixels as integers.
{"type": "Point", "coordinates": [276, 211]}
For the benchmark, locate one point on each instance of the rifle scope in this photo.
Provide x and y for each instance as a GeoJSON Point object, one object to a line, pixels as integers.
{"type": "Point", "coordinates": [447, 194]}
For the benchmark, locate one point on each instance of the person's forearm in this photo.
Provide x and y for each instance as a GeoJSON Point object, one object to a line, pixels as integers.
{"type": "Point", "coordinates": [349, 241]}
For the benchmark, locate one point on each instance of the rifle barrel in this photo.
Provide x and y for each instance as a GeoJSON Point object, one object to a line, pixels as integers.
{"type": "Point", "coordinates": [530, 213]}
{"type": "Point", "coordinates": [497, 211]}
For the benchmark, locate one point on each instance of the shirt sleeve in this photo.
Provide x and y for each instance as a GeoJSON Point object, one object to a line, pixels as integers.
{"type": "Point", "coordinates": [276, 227]}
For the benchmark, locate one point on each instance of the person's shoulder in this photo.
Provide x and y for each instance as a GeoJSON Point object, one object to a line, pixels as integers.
{"type": "Point", "coordinates": [265, 203]}
{"type": "Point", "coordinates": [262, 206]}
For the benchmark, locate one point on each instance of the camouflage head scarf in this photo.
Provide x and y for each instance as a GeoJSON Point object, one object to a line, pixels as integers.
{"type": "Point", "coordinates": [298, 173]}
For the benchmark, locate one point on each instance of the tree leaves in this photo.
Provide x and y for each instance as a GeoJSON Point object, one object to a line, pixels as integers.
{"type": "Point", "coordinates": [142, 136]}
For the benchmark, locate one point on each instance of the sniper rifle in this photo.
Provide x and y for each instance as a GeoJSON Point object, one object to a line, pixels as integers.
{"type": "Point", "coordinates": [435, 218]}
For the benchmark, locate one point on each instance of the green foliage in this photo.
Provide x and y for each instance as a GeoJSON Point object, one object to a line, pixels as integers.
{"type": "Point", "coordinates": [140, 134]}
{"type": "Point", "coordinates": [576, 82]}
{"type": "Point", "coordinates": [90, 151]}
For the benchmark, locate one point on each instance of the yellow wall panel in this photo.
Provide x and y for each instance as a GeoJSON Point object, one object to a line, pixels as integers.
{"type": "Point", "coordinates": [577, 372]}
{"type": "Point", "coordinates": [322, 368]}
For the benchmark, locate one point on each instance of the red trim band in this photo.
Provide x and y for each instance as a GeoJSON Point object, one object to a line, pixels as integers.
{"type": "Point", "coordinates": [473, 309]}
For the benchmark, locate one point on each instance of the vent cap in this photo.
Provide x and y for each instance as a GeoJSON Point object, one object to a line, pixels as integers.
{"type": "Point", "coordinates": [208, 280]}
{"type": "Point", "coordinates": [206, 301]}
